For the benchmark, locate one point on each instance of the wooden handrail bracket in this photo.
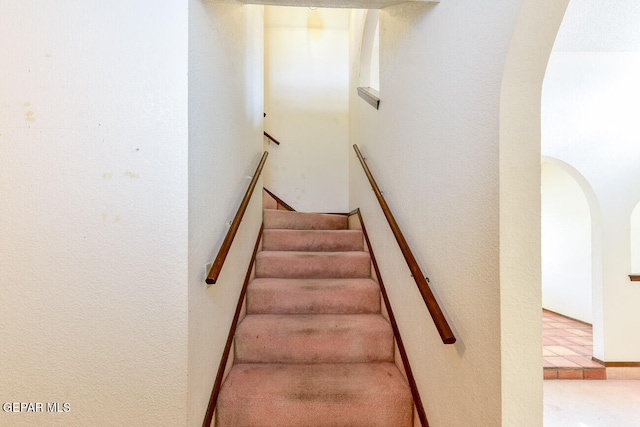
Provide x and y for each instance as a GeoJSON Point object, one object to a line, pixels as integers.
{"type": "Point", "coordinates": [212, 277]}
{"type": "Point", "coordinates": [217, 384]}
{"type": "Point", "coordinates": [271, 138]}
{"type": "Point", "coordinates": [417, 400]}
{"type": "Point", "coordinates": [432, 304]}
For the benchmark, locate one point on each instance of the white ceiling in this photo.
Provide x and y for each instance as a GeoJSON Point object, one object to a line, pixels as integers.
{"type": "Point", "coordinates": [600, 26]}
{"type": "Point", "coordinates": [352, 4]}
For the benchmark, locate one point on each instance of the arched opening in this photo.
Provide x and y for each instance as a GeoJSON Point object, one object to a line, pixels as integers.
{"type": "Point", "coordinates": [566, 244]}
{"type": "Point", "coordinates": [374, 73]}
{"type": "Point", "coordinates": [589, 94]}
{"type": "Point", "coordinates": [370, 52]}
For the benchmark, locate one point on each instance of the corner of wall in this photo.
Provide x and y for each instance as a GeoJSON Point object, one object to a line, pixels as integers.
{"type": "Point", "coordinates": [520, 285]}
{"type": "Point", "coordinates": [225, 145]}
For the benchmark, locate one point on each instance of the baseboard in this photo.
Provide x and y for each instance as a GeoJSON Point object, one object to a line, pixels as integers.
{"type": "Point", "coordinates": [616, 364]}
{"type": "Point", "coordinates": [567, 317]}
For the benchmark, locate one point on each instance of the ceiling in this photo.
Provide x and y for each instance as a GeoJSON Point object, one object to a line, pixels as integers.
{"type": "Point", "coordinates": [352, 4]}
{"type": "Point", "coordinates": [600, 26]}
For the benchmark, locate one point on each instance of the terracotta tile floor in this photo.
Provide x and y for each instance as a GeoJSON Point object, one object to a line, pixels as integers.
{"type": "Point", "coordinates": [567, 348]}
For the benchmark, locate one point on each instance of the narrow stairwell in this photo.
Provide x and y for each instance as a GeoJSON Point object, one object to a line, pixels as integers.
{"type": "Point", "coordinates": [314, 348]}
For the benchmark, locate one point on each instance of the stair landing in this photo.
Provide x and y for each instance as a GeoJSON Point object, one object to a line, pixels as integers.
{"type": "Point", "coordinates": [567, 349]}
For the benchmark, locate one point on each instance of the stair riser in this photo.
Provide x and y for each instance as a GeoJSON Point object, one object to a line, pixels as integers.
{"type": "Point", "coordinates": [303, 221]}
{"type": "Point", "coordinates": [313, 298]}
{"type": "Point", "coordinates": [308, 265]}
{"type": "Point", "coordinates": [312, 240]}
{"type": "Point", "coordinates": [331, 413]}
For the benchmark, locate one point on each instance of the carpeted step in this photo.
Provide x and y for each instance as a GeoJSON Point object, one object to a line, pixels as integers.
{"type": "Point", "coordinates": [303, 221]}
{"type": "Point", "coordinates": [334, 395]}
{"type": "Point", "coordinates": [312, 240]}
{"type": "Point", "coordinates": [318, 338]}
{"type": "Point", "coordinates": [313, 296]}
{"type": "Point", "coordinates": [320, 265]}
{"type": "Point", "coordinates": [313, 349]}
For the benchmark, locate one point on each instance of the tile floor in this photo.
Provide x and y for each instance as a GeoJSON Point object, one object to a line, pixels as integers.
{"type": "Point", "coordinates": [567, 348]}
{"type": "Point", "coordinates": [611, 403]}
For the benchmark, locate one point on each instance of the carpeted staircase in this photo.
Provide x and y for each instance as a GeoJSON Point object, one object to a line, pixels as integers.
{"type": "Point", "coordinates": [313, 349]}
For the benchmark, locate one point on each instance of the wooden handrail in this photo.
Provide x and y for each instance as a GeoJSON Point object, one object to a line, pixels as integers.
{"type": "Point", "coordinates": [279, 201]}
{"type": "Point", "coordinates": [271, 138]}
{"type": "Point", "coordinates": [214, 272]}
{"type": "Point", "coordinates": [432, 305]}
{"type": "Point", "coordinates": [217, 384]}
{"type": "Point", "coordinates": [417, 400]}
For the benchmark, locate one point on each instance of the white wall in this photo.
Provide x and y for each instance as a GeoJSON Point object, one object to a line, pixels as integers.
{"type": "Point", "coordinates": [374, 75]}
{"type": "Point", "coordinates": [434, 148]}
{"type": "Point", "coordinates": [225, 141]}
{"type": "Point", "coordinates": [307, 102]}
{"type": "Point", "coordinates": [369, 61]}
{"type": "Point", "coordinates": [520, 265]}
{"type": "Point", "coordinates": [590, 101]}
{"type": "Point", "coordinates": [93, 225]}
{"type": "Point", "coordinates": [566, 245]}
{"type": "Point", "coordinates": [635, 240]}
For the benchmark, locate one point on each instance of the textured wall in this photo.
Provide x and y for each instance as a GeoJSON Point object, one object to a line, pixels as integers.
{"type": "Point", "coordinates": [225, 141]}
{"type": "Point", "coordinates": [307, 104]}
{"type": "Point", "coordinates": [520, 265]}
{"type": "Point", "coordinates": [635, 239]}
{"type": "Point", "coordinates": [455, 147]}
{"type": "Point", "coordinates": [433, 146]}
{"type": "Point", "coordinates": [93, 225]}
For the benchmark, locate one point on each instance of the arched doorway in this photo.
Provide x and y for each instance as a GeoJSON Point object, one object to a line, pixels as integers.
{"type": "Point", "coordinates": [520, 137]}
{"type": "Point", "coordinates": [566, 242]}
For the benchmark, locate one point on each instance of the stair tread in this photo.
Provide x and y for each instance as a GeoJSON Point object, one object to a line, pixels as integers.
{"type": "Point", "coordinates": [274, 218]}
{"type": "Point", "coordinates": [313, 348]}
{"type": "Point", "coordinates": [309, 254]}
{"type": "Point", "coordinates": [328, 395]}
{"type": "Point", "coordinates": [292, 264]}
{"type": "Point", "coordinates": [345, 281]}
{"type": "Point", "coordinates": [312, 240]}
{"type": "Point", "coordinates": [304, 323]}
{"type": "Point", "coordinates": [313, 296]}
{"type": "Point", "coordinates": [314, 338]}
